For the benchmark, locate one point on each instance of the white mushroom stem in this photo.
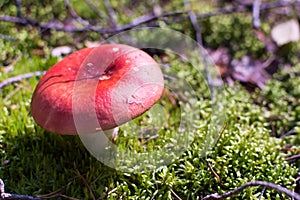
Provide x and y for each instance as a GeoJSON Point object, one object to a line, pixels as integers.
{"type": "Point", "coordinates": [112, 134]}
{"type": "Point", "coordinates": [97, 142]}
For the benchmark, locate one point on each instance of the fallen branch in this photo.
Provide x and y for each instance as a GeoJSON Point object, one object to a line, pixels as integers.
{"type": "Point", "coordinates": [175, 195]}
{"type": "Point", "coordinates": [244, 8]}
{"type": "Point", "coordinates": [61, 27]}
{"type": "Point", "coordinates": [142, 20]}
{"type": "Point", "coordinates": [20, 78]}
{"type": "Point", "coordinates": [96, 10]}
{"type": "Point", "coordinates": [7, 37]}
{"type": "Point", "coordinates": [8, 196]}
{"type": "Point", "coordinates": [278, 188]}
{"type": "Point", "coordinates": [294, 157]}
{"type": "Point", "coordinates": [75, 16]}
{"type": "Point", "coordinates": [214, 172]}
{"type": "Point", "coordinates": [256, 13]}
{"type": "Point", "coordinates": [111, 13]}
{"type": "Point", "coordinates": [88, 187]}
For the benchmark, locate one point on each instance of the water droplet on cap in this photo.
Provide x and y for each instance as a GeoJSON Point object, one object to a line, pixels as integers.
{"type": "Point", "coordinates": [115, 49]}
{"type": "Point", "coordinates": [89, 64]}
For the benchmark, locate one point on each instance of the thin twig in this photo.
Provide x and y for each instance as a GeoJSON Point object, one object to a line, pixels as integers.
{"type": "Point", "coordinates": [135, 22]}
{"type": "Point", "coordinates": [11, 65]}
{"type": "Point", "coordinates": [85, 23]}
{"type": "Point", "coordinates": [20, 78]}
{"type": "Point", "coordinates": [96, 10]}
{"type": "Point", "coordinates": [18, 7]}
{"type": "Point", "coordinates": [213, 171]}
{"type": "Point", "coordinates": [113, 190]}
{"type": "Point", "coordinates": [12, 93]}
{"type": "Point", "coordinates": [8, 196]}
{"type": "Point", "coordinates": [262, 193]}
{"type": "Point", "coordinates": [290, 132]}
{"type": "Point", "coordinates": [60, 27]}
{"type": "Point", "coordinates": [58, 193]}
{"type": "Point", "coordinates": [197, 29]}
{"type": "Point", "coordinates": [86, 184]}
{"type": "Point", "coordinates": [144, 20]}
{"type": "Point", "coordinates": [256, 13]}
{"type": "Point", "coordinates": [254, 183]}
{"type": "Point", "coordinates": [18, 197]}
{"type": "Point", "coordinates": [174, 194]}
{"type": "Point", "coordinates": [36, 23]}
{"type": "Point", "coordinates": [54, 194]}
{"type": "Point", "coordinates": [7, 37]}
{"type": "Point", "coordinates": [294, 157]}
{"type": "Point", "coordinates": [244, 8]}
{"type": "Point", "coordinates": [112, 15]}
{"type": "Point", "coordinates": [68, 197]}
{"type": "Point", "coordinates": [152, 137]}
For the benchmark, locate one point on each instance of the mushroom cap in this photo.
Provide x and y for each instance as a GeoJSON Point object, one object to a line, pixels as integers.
{"type": "Point", "coordinates": [96, 88]}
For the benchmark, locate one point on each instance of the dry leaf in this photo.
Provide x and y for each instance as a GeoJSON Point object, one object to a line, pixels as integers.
{"type": "Point", "coordinates": [286, 32]}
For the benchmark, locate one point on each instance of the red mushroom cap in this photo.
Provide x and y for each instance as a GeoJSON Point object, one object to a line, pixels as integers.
{"type": "Point", "coordinates": [112, 83]}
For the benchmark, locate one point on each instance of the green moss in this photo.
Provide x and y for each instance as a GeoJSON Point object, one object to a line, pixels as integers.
{"type": "Point", "coordinates": [280, 100]}
{"type": "Point", "coordinates": [235, 32]}
{"type": "Point", "coordinates": [37, 162]}
{"type": "Point", "coordinates": [34, 161]}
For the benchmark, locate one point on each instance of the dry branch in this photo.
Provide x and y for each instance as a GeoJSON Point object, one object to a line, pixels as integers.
{"type": "Point", "coordinates": [88, 187]}
{"type": "Point", "coordinates": [20, 78]}
{"type": "Point", "coordinates": [278, 188]}
{"type": "Point", "coordinates": [175, 195]}
{"type": "Point", "coordinates": [96, 10]}
{"type": "Point", "coordinates": [141, 20]}
{"type": "Point", "coordinates": [75, 16]}
{"type": "Point", "coordinates": [7, 37]}
{"type": "Point", "coordinates": [60, 27]}
{"type": "Point", "coordinates": [244, 8]}
{"type": "Point", "coordinates": [256, 13]}
{"type": "Point", "coordinates": [111, 12]}
{"type": "Point", "coordinates": [294, 157]}
{"type": "Point", "coordinates": [8, 196]}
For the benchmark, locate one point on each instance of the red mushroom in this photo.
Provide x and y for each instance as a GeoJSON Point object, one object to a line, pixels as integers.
{"type": "Point", "coordinates": [112, 84]}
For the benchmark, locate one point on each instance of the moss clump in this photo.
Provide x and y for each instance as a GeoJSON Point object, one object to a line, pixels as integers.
{"type": "Point", "coordinates": [280, 101]}
{"type": "Point", "coordinates": [37, 162]}
{"type": "Point", "coordinates": [244, 152]}
{"type": "Point", "coordinates": [234, 32]}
